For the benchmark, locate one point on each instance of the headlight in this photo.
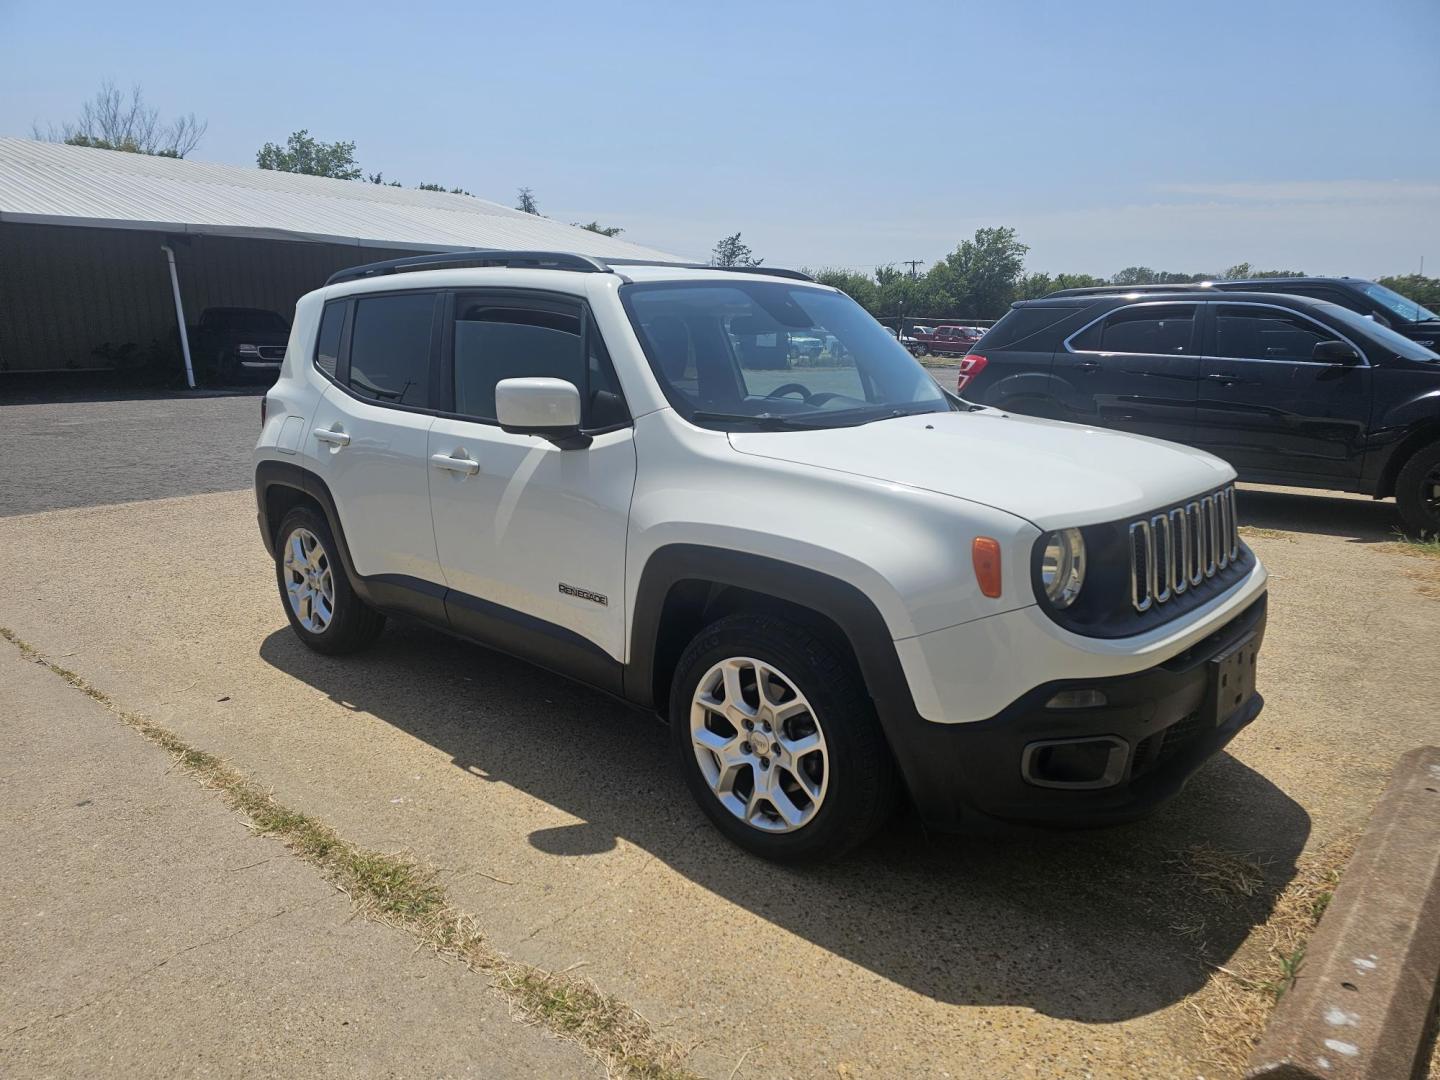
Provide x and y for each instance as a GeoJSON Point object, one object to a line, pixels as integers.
{"type": "Point", "coordinates": [248, 350]}
{"type": "Point", "coordinates": [1062, 567]}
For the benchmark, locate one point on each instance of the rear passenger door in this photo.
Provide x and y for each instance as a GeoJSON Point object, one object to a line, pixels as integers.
{"type": "Point", "coordinates": [1135, 369]}
{"type": "Point", "coordinates": [1268, 406]}
{"type": "Point", "coordinates": [532, 537]}
{"type": "Point", "coordinates": [368, 438]}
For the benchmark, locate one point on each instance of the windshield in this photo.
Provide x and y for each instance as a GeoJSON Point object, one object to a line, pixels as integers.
{"type": "Point", "coordinates": [1383, 336]}
{"type": "Point", "coordinates": [1403, 309]}
{"type": "Point", "coordinates": [775, 354]}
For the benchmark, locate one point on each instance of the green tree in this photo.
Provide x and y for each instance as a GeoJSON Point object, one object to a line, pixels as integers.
{"type": "Point", "coordinates": [1242, 271]}
{"type": "Point", "coordinates": [379, 178]}
{"type": "Point", "coordinates": [111, 120]}
{"type": "Point", "coordinates": [603, 230]}
{"type": "Point", "coordinates": [979, 277]}
{"type": "Point", "coordinates": [441, 187]}
{"type": "Point", "coordinates": [1425, 291]}
{"type": "Point", "coordinates": [732, 251]}
{"type": "Point", "coordinates": [303, 154]}
{"type": "Point", "coordinates": [526, 202]}
{"type": "Point", "coordinates": [859, 287]}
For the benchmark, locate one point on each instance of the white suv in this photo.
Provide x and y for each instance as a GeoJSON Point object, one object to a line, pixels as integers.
{"type": "Point", "coordinates": [837, 583]}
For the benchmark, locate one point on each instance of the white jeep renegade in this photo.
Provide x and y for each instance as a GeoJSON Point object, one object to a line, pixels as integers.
{"type": "Point", "coordinates": [836, 582]}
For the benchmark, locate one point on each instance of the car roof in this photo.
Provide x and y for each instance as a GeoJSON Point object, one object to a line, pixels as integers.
{"type": "Point", "coordinates": [1178, 292]}
{"type": "Point", "coordinates": [1259, 284]}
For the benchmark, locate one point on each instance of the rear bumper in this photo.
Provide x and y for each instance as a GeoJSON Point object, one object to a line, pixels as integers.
{"type": "Point", "coordinates": [1156, 728]}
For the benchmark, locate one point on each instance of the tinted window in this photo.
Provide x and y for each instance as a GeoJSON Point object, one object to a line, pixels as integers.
{"type": "Point", "coordinates": [495, 340]}
{"type": "Point", "coordinates": [390, 348]}
{"type": "Point", "coordinates": [1158, 328]}
{"type": "Point", "coordinates": [327, 344]}
{"type": "Point", "coordinates": [1020, 323]}
{"type": "Point", "coordinates": [1368, 329]}
{"type": "Point", "coordinates": [1261, 333]}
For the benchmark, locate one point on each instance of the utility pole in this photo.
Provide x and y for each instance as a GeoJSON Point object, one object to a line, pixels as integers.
{"type": "Point", "coordinates": [912, 263]}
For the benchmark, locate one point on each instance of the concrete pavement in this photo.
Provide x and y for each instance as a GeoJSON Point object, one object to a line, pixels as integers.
{"type": "Point", "coordinates": [145, 932]}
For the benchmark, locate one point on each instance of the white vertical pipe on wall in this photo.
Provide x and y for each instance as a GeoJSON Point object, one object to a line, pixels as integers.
{"type": "Point", "coordinates": [180, 314]}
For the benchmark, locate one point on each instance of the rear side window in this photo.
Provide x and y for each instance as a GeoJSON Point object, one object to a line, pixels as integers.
{"type": "Point", "coordinates": [1020, 323]}
{"type": "Point", "coordinates": [1262, 333]}
{"type": "Point", "coordinates": [390, 348]}
{"type": "Point", "coordinates": [1159, 328]}
{"type": "Point", "coordinates": [327, 344]}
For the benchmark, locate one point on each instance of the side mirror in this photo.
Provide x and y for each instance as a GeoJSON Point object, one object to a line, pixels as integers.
{"type": "Point", "coordinates": [1335, 352]}
{"type": "Point", "coordinates": [546, 407]}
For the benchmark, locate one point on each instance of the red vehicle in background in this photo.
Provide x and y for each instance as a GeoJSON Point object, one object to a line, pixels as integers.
{"type": "Point", "coordinates": [945, 340]}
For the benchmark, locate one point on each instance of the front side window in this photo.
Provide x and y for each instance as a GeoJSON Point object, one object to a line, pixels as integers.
{"type": "Point", "coordinates": [390, 348]}
{"type": "Point", "coordinates": [1368, 329]}
{"type": "Point", "coordinates": [497, 339]}
{"type": "Point", "coordinates": [1166, 329]}
{"type": "Point", "coordinates": [1263, 333]}
{"type": "Point", "coordinates": [775, 354]}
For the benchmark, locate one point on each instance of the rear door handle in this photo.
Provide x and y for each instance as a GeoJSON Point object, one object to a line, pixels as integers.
{"type": "Point", "coordinates": [1088, 365]}
{"type": "Point", "coordinates": [466, 465]}
{"type": "Point", "coordinates": [1222, 377]}
{"type": "Point", "coordinates": [333, 437]}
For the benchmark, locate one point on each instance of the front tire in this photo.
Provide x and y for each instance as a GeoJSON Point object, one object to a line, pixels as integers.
{"type": "Point", "coordinates": [778, 740]}
{"type": "Point", "coordinates": [317, 595]}
{"type": "Point", "coordinates": [1417, 492]}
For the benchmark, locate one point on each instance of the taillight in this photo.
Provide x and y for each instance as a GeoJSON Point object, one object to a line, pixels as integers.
{"type": "Point", "coordinates": [970, 366]}
{"type": "Point", "coordinates": [264, 404]}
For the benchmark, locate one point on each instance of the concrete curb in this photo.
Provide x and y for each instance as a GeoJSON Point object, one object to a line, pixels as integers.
{"type": "Point", "coordinates": [1362, 1004]}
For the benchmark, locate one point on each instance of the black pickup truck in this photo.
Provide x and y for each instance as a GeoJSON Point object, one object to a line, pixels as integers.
{"type": "Point", "coordinates": [1288, 389]}
{"type": "Point", "coordinates": [237, 344]}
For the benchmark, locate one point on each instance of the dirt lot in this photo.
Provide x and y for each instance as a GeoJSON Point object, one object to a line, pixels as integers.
{"type": "Point", "coordinates": [556, 818]}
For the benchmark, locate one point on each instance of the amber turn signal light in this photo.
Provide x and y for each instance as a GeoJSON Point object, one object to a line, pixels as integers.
{"type": "Point", "coordinates": [986, 554]}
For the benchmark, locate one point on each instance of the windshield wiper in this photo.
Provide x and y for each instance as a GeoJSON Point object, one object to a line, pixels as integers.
{"type": "Point", "coordinates": [763, 419]}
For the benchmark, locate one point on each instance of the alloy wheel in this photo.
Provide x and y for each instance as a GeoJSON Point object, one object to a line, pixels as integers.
{"type": "Point", "coordinates": [759, 745]}
{"type": "Point", "coordinates": [309, 580]}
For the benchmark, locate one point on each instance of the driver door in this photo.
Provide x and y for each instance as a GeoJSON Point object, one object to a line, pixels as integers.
{"type": "Point", "coordinates": [531, 537]}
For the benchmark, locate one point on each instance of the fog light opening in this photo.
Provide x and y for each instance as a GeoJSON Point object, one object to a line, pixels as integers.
{"type": "Point", "coordinates": [1077, 699]}
{"type": "Point", "coordinates": [1076, 763]}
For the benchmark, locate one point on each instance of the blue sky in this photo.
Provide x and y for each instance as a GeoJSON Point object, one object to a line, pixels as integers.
{"type": "Point", "coordinates": [1183, 136]}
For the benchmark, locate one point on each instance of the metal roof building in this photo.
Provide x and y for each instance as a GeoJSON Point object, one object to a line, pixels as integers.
{"type": "Point", "coordinates": [85, 279]}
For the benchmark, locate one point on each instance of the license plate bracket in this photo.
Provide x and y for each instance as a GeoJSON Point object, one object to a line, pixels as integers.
{"type": "Point", "coordinates": [1231, 679]}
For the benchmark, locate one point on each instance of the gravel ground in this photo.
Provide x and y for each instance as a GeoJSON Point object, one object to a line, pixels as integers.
{"type": "Point", "coordinates": [559, 820]}
{"type": "Point", "coordinates": [114, 449]}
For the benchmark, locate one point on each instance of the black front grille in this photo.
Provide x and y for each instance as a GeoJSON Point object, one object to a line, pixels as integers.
{"type": "Point", "coordinates": [1163, 746]}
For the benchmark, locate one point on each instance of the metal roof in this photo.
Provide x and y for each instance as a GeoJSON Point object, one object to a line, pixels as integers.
{"type": "Point", "coordinates": [54, 184]}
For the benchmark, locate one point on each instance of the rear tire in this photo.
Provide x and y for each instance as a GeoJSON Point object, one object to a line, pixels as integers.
{"type": "Point", "coordinates": [796, 772]}
{"type": "Point", "coordinates": [315, 591]}
{"type": "Point", "coordinates": [1417, 492]}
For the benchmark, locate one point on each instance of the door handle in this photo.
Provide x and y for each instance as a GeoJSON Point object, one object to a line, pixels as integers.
{"type": "Point", "coordinates": [1088, 365]}
{"type": "Point", "coordinates": [334, 438]}
{"type": "Point", "coordinates": [1221, 377]}
{"type": "Point", "coordinates": [466, 465]}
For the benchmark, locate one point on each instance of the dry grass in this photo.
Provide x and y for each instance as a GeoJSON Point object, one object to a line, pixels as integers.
{"type": "Point", "coordinates": [399, 891]}
{"type": "Point", "coordinates": [1235, 1005]}
{"type": "Point", "coordinates": [1427, 570]}
{"type": "Point", "coordinates": [1266, 534]}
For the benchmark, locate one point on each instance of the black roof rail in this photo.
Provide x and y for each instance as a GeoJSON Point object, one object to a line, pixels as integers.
{"type": "Point", "coordinates": [770, 271]}
{"type": "Point", "coordinates": [543, 260]}
{"type": "Point", "coordinates": [539, 260]}
{"type": "Point", "coordinates": [1103, 290]}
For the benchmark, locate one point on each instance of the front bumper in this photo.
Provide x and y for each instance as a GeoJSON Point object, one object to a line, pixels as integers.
{"type": "Point", "coordinates": [1156, 728]}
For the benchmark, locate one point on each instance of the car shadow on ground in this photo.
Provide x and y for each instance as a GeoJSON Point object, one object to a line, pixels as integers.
{"type": "Point", "coordinates": [1363, 521]}
{"type": "Point", "coordinates": [1095, 926]}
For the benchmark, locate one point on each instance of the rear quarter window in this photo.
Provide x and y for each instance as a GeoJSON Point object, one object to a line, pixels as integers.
{"type": "Point", "coordinates": [1021, 323]}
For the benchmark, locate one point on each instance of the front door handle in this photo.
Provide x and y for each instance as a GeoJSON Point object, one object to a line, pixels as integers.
{"type": "Point", "coordinates": [332, 436]}
{"type": "Point", "coordinates": [466, 465]}
{"type": "Point", "coordinates": [1222, 377]}
{"type": "Point", "coordinates": [1088, 365]}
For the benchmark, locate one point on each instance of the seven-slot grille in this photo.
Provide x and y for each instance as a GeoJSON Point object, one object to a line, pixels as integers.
{"type": "Point", "coordinates": [1180, 548]}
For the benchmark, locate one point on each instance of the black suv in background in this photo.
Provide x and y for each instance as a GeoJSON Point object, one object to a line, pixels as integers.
{"type": "Point", "coordinates": [236, 343]}
{"type": "Point", "coordinates": [1384, 305]}
{"type": "Point", "coordinates": [1289, 390]}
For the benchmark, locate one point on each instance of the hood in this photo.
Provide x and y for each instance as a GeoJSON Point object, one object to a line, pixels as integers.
{"type": "Point", "coordinates": [1052, 474]}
